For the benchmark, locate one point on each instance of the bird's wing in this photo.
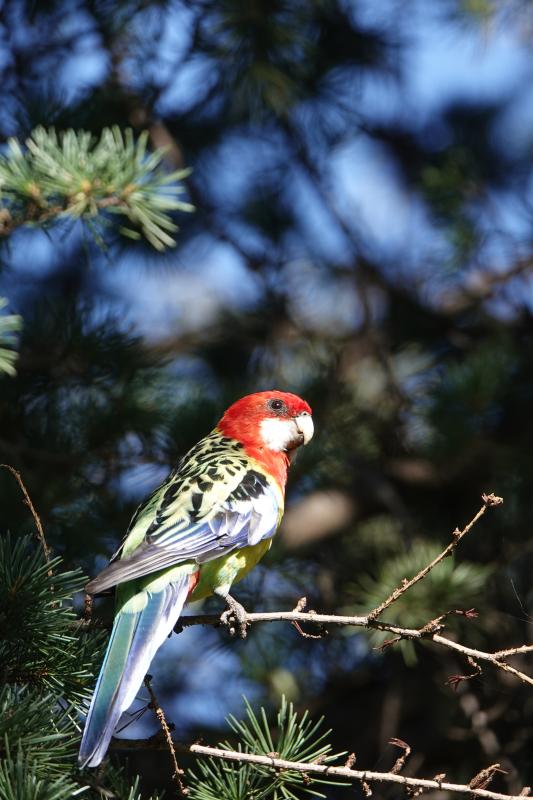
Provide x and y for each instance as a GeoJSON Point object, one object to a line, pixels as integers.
{"type": "Point", "coordinates": [215, 502]}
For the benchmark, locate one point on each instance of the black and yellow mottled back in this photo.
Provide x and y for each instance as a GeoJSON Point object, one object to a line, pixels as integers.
{"type": "Point", "coordinates": [217, 500]}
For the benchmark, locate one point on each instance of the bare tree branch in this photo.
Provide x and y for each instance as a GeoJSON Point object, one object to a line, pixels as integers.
{"type": "Point", "coordinates": [35, 515]}
{"type": "Point", "coordinates": [160, 714]}
{"type": "Point", "coordinates": [489, 500]}
{"type": "Point", "coordinates": [430, 631]}
{"type": "Point", "coordinates": [362, 776]}
{"type": "Point", "coordinates": [483, 285]}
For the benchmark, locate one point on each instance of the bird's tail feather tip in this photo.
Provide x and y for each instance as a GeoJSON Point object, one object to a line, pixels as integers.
{"type": "Point", "coordinates": [92, 753]}
{"type": "Point", "coordinates": [137, 634]}
{"type": "Point", "coordinates": [85, 760]}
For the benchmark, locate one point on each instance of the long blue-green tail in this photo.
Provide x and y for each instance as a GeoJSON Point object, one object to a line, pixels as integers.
{"type": "Point", "coordinates": [146, 615]}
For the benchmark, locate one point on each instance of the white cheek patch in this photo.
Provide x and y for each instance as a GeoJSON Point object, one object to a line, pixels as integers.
{"type": "Point", "coordinates": [277, 434]}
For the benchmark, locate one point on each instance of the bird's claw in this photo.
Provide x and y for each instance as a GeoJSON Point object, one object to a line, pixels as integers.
{"type": "Point", "coordinates": [235, 618]}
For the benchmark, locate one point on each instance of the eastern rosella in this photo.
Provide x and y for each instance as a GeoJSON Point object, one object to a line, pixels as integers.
{"type": "Point", "coordinates": [196, 535]}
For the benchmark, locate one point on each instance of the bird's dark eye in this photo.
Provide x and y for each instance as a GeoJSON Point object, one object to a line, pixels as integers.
{"type": "Point", "coordinates": [277, 405]}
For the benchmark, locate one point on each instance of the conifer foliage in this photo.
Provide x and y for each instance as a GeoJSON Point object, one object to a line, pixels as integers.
{"type": "Point", "coordinates": [9, 325]}
{"type": "Point", "coordinates": [49, 657]}
{"type": "Point", "coordinates": [74, 174]}
{"type": "Point", "coordinates": [46, 674]}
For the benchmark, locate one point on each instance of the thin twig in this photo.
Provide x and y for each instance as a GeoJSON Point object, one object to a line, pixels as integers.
{"type": "Point", "coordinates": [513, 651]}
{"type": "Point", "coordinates": [399, 764]}
{"type": "Point", "coordinates": [301, 606]}
{"type": "Point", "coordinates": [483, 778]}
{"type": "Point", "coordinates": [420, 634]}
{"type": "Point", "coordinates": [455, 680]}
{"type": "Point", "coordinates": [365, 776]}
{"type": "Point", "coordinates": [489, 500]}
{"type": "Point", "coordinates": [169, 744]}
{"type": "Point", "coordinates": [35, 515]}
{"type": "Point", "coordinates": [415, 634]}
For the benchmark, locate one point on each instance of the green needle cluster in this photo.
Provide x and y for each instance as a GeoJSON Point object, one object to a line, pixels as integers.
{"type": "Point", "coordinates": [293, 738]}
{"type": "Point", "coordinates": [76, 175]}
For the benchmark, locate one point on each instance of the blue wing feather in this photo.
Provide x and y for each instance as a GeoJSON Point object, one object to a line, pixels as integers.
{"type": "Point", "coordinates": [238, 521]}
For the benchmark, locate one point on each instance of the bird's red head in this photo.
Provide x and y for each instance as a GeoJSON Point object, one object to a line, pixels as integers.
{"type": "Point", "coordinates": [270, 425]}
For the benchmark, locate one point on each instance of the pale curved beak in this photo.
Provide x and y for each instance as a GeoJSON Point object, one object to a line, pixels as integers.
{"type": "Point", "coordinates": [304, 423]}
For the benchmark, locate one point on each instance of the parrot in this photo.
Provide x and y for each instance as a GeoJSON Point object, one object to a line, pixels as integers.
{"type": "Point", "coordinates": [202, 530]}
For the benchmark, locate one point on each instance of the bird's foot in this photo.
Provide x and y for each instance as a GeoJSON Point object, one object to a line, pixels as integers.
{"type": "Point", "coordinates": [234, 617]}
